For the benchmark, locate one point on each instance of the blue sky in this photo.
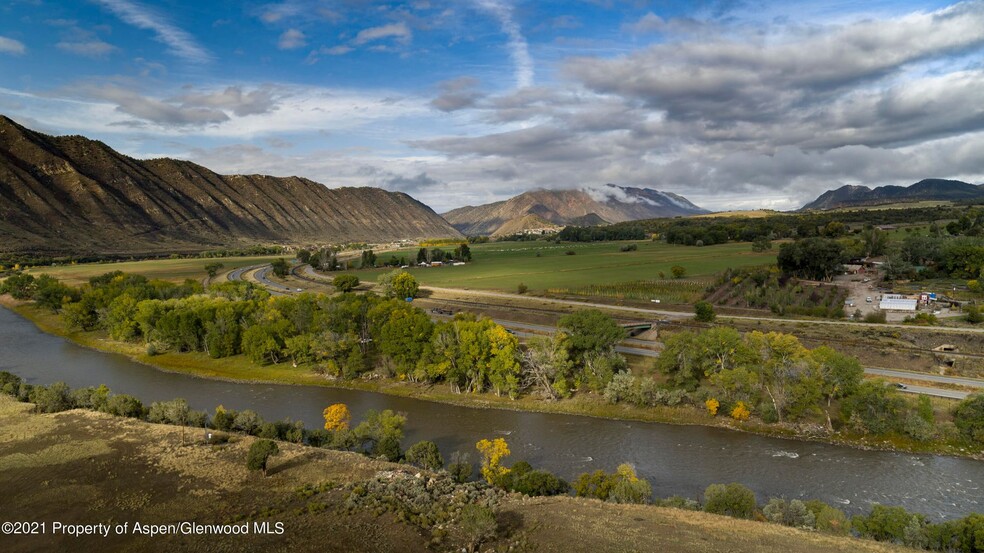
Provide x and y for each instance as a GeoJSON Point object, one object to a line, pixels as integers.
{"type": "Point", "coordinates": [732, 104]}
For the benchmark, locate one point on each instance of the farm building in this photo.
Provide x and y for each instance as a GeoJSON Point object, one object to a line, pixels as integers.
{"type": "Point", "coordinates": [853, 269]}
{"type": "Point", "coordinates": [897, 303]}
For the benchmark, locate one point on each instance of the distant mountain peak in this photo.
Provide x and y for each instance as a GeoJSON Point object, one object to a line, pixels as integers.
{"type": "Point", "coordinates": [587, 205]}
{"type": "Point", "coordinates": [924, 190]}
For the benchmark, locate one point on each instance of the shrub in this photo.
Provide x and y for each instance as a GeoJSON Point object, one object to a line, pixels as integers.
{"type": "Point", "coordinates": [9, 383]}
{"type": "Point", "coordinates": [260, 453]}
{"type": "Point", "coordinates": [678, 271]}
{"type": "Point", "coordinates": [875, 317]}
{"type": "Point", "coordinates": [123, 405]}
{"type": "Point", "coordinates": [678, 502]}
{"type": "Point", "coordinates": [792, 513]}
{"type": "Point", "coordinates": [52, 399]}
{"type": "Point", "coordinates": [169, 412]}
{"type": "Point", "coordinates": [478, 524]}
{"type": "Point", "coordinates": [704, 312]}
{"type": "Point", "coordinates": [247, 421]}
{"type": "Point", "coordinates": [425, 455]}
{"type": "Point", "coordinates": [460, 467]}
{"type": "Point", "coordinates": [622, 486]}
{"type": "Point", "coordinates": [522, 288]}
{"type": "Point", "coordinates": [570, 252]}
{"type": "Point", "coordinates": [732, 500]}
{"type": "Point", "coordinates": [975, 315]}
{"type": "Point", "coordinates": [886, 524]}
{"type": "Point", "coordinates": [712, 406]}
{"type": "Point", "coordinates": [740, 412]}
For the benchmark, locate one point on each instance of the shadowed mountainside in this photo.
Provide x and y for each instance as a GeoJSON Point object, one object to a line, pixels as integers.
{"type": "Point", "coordinates": [72, 194]}
{"type": "Point", "coordinates": [924, 190]}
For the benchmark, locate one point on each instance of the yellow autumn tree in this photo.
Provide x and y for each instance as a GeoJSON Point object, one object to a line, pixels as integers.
{"type": "Point", "coordinates": [337, 417]}
{"type": "Point", "coordinates": [492, 453]}
{"type": "Point", "coordinates": [740, 412]}
{"type": "Point", "coordinates": [712, 406]}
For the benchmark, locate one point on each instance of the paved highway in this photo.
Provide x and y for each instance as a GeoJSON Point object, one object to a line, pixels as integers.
{"type": "Point", "coordinates": [938, 392]}
{"type": "Point", "coordinates": [958, 380]}
{"type": "Point", "coordinates": [681, 314]}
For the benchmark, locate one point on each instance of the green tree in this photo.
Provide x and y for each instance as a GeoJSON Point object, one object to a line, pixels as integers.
{"type": "Point", "coordinates": [213, 269]}
{"type": "Point", "coordinates": [782, 363]}
{"type": "Point", "coordinates": [812, 258]}
{"type": "Point", "coordinates": [590, 332]}
{"type": "Point", "coordinates": [704, 312]}
{"type": "Point", "coordinates": [874, 408]}
{"type": "Point", "coordinates": [761, 244]}
{"type": "Point", "coordinates": [969, 418]}
{"type": "Point", "coordinates": [378, 433]}
{"type": "Point", "coordinates": [733, 500]}
{"type": "Point", "coordinates": [280, 267]}
{"type": "Point", "coordinates": [678, 271]}
{"type": "Point", "coordinates": [345, 283]}
{"type": "Point", "coordinates": [368, 259]}
{"type": "Point", "coordinates": [426, 455]}
{"type": "Point", "coordinates": [463, 252]}
{"type": "Point", "coordinates": [259, 454]}
{"type": "Point", "coordinates": [398, 284]}
{"type": "Point", "coordinates": [838, 375]}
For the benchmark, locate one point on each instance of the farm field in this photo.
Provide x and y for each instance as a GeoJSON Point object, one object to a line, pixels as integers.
{"type": "Point", "coordinates": [504, 265]}
{"type": "Point", "coordinates": [175, 270]}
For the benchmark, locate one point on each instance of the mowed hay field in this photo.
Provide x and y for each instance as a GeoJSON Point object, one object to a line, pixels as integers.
{"type": "Point", "coordinates": [88, 468]}
{"type": "Point", "coordinates": [503, 265]}
{"type": "Point", "coordinates": [174, 270]}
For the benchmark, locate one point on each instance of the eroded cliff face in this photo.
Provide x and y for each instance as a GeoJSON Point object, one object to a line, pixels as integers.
{"type": "Point", "coordinates": [72, 194]}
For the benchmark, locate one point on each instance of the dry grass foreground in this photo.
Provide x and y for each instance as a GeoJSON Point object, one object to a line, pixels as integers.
{"type": "Point", "coordinates": [87, 467]}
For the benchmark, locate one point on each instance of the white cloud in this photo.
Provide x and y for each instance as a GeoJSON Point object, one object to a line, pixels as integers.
{"type": "Point", "coordinates": [518, 47]}
{"type": "Point", "coordinates": [11, 46]}
{"type": "Point", "coordinates": [398, 31]}
{"type": "Point", "coordinates": [179, 42]}
{"type": "Point", "coordinates": [291, 39]}
{"type": "Point", "coordinates": [92, 47]}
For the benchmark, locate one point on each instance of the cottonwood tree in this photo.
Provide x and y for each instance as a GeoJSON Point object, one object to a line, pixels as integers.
{"type": "Point", "coordinates": [782, 362]}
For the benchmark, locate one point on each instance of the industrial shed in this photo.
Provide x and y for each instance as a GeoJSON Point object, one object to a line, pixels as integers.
{"type": "Point", "coordinates": [897, 304]}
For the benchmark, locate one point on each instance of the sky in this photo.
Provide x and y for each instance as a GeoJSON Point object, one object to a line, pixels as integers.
{"type": "Point", "coordinates": [733, 104]}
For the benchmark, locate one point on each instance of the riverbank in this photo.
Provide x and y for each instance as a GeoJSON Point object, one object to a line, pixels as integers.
{"type": "Point", "coordinates": [240, 369]}
{"type": "Point", "coordinates": [55, 468]}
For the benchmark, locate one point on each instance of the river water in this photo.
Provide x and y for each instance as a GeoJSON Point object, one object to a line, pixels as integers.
{"type": "Point", "coordinates": [675, 459]}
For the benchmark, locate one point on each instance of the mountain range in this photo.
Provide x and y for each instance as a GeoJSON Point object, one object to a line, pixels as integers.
{"type": "Point", "coordinates": [924, 190]}
{"type": "Point", "coordinates": [543, 209]}
{"type": "Point", "coordinates": [69, 194]}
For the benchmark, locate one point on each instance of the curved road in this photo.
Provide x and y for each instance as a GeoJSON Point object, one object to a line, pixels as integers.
{"type": "Point", "coordinates": [664, 313]}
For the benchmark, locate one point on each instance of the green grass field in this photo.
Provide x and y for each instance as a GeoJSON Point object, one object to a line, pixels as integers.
{"type": "Point", "coordinates": [175, 270]}
{"type": "Point", "coordinates": [503, 265]}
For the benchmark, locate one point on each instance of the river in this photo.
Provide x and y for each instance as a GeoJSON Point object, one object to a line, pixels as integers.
{"type": "Point", "coordinates": [675, 459]}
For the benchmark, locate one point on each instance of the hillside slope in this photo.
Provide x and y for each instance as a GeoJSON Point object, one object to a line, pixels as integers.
{"type": "Point", "coordinates": [55, 467]}
{"type": "Point", "coordinates": [72, 194]}
{"type": "Point", "coordinates": [607, 204]}
{"type": "Point", "coordinates": [924, 190]}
